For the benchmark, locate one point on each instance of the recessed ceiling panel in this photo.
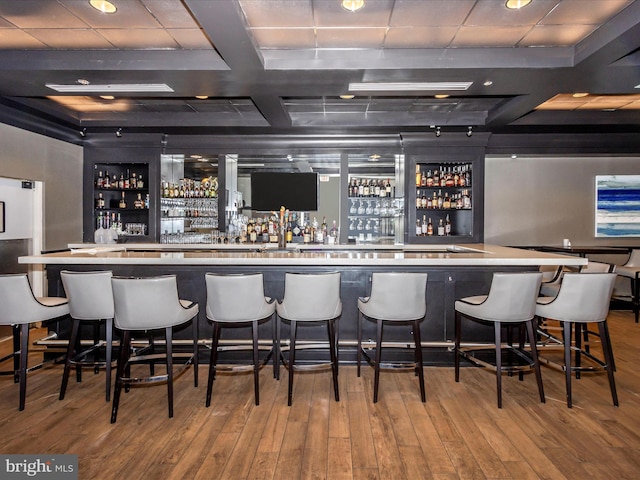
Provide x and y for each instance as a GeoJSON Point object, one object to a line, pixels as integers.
{"type": "Point", "coordinates": [489, 36]}
{"type": "Point", "coordinates": [285, 38]}
{"type": "Point", "coordinates": [556, 35]}
{"type": "Point", "coordinates": [70, 39]}
{"type": "Point", "coordinates": [419, 37]}
{"type": "Point", "coordinates": [278, 13]}
{"type": "Point", "coordinates": [130, 14]}
{"type": "Point", "coordinates": [491, 12]}
{"type": "Point", "coordinates": [376, 13]}
{"type": "Point", "coordinates": [350, 37]}
{"type": "Point", "coordinates": [190, 38]}
{"type": "Point", "coordinates": [12, 38]}
{"type": "Point", "coordinates": [138, 38]}
{"type": "Point", "coordinates": [170, 14]}
{"type": "Point", "coordinates": [588, 12]}
{"type": "Point", "coordinates": [430, 13]}
{"type": "Point", "coordinates": [39, 14]}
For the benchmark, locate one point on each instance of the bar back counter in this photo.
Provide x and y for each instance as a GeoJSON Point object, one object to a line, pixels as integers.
{"type": "Point", "coordinates": [453, 272]}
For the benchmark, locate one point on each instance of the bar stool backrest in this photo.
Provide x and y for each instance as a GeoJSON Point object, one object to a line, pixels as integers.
{"type": "Point", "coordinates": [598, 267]}
{"type": "Point", "coordinates": [634, 259]}
{"type": "Point", "coordinates": [311, 297]}
{"type": "Point", "coordinates": [583, 298]}
{"type": "Point", "coordinates": [397, 296]}
{"type": "Point", "coordinates": [18, 305]}
{"type": "Point", "coordinates": [148, 303]}
{"type": "Point", "coordinates": [90, 294]}
{"type": "Point", "coordinates": [511, 298]}
{"type": "Point", "coordinates": [237, 297]}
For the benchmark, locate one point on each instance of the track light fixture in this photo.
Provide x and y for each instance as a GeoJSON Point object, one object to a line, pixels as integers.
{"type": "Point", "coordinates": [119, 132]}
{"type": "Point", "coordinates": [83, 132]}
{"type": "Point", "coordinates": [469, 131]}
{"type": "Point", "coordinates": [438, 132]}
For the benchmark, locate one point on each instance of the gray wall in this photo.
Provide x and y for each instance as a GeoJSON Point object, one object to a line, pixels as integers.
{"type": "Point", "coordinates": [541, 200]}
{"type": "Point", "coordinates": [26, 155]}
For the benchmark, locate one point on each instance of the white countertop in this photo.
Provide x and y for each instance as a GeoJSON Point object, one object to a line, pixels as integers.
{"type": "Point", "coordinates": [302, 255]}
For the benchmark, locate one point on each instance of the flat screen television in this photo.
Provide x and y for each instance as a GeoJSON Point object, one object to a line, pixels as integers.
{"type": "Point", "coordinates": [295, 191]}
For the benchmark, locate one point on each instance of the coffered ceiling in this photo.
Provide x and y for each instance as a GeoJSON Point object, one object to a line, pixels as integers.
{"type": "Point", "coordinates": [281, 65]}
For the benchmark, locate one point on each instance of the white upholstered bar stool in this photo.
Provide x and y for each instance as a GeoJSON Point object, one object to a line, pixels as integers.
{"type": "Point", "coordinates": [395, 298]}
{"type": "Point", "coordinates": [309, 299]}
{"type": "Point", "coordinates": [582, 299]}
{"type": "Point", "coordinates": [20, 308]}
{"type": "Point", "coordinates": [237, 301]}
{"type": "Point", "coordinates": [90, 301]}
{"type": "Point", "coordinates": [144, 304]}
{"type": "Point", "coordinates": [631, 270]}
{"type": "Point", "coordinates": [511, 301]}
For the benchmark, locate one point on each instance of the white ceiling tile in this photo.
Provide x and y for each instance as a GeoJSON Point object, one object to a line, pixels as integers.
{"type": "Point", "coordinates": [190, 38]}
{"type": "Point", "coordinates": [138, 38]}
{"type": "Point", "coordinates": [430, 13]}
{"type": "Point", "coordinates": [130, 14]}
{"type": "Point", "coordinates": [556, 35]}
{"type": "Point", "coordinates": [38, 14]}
{"type": "Point", "coordinates": [420, 37]}
{"type": "Point", "coordinates": [70, 38]}
{"type": "Point", "coordinates": [350, 37]}
{"type": "Point", "coordinates": [584, 11]}
{"type": "Point", "coordinates": [287, 38]}
{"type": "Point", "coordinates": [13, 38]}
{"type": "Point", "coordinates": [170, 13]}
{"type": "Point", "coordinates": [492, 12]}
{"type": "Point", "coordinates": [278, 13]}
{"type": "Point", "coordinates": [490, 36]}
{"type": "Point", "coordinates": [376, 13]}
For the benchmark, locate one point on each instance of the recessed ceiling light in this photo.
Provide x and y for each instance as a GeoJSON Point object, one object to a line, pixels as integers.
{"type": "Point", "coordinates": [347, 97]}
{"type": "Point", "coordinates": [82, 81]}
{"type": "Point", "coordinates": [637, 86]}
{"type": "Point", "coordinates": [408, 86]}
{"type": "Point", "coordinates": [352, 5]}
{"type": "Point", "coordinates": [202, 97]}
{"type": "Point", "coordinates": [441, 95]}
{"type": "Point", "coordinates": [580, 94]}
{"type": "Point", "coordinates": [119, 88]}
{"type": "Point", "coordinates": [488, 83]}
{"type": "Point", "coordinates": [107, 97]}
{"type": "Point", "coordinates": [374, 158]}
{"type": "Point", "coordinates": [517, 4]}
{"type": "Point", "coordinates": [103, 6]}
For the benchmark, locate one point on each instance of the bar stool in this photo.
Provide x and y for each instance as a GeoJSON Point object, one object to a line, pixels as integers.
{"type": "Point", "coordinates": [237, 301]}
{"type": "Point", "coordinates": [631, 270]}
{"type": "Point", "coordinates": [308, 299]}
{"type": "Point", "coordinates": [395, 298]}
{"type": "Point", "coordinates": [511, 302]}
{"type": "Point", "coordinates": [20, 308]}
{"type": "Point", "coordinates": [90, 300]}
{"type": "Point", "coordinates": [582, 299]}
{"type": "Point", "coordinates": [151, 304]}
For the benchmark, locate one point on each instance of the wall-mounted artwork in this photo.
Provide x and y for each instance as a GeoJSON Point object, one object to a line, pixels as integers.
{"type": "Point", "coordinates": [618, 206]}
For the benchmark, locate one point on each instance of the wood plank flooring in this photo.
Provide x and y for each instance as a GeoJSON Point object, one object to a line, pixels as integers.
{"type": "Point", "coordinates": [459, 433]}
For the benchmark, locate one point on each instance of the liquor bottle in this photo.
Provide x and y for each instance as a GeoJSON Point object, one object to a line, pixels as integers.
{"type": "Point", "coordinates": [418, 176]}
{"type": "Point", "coordinates": [138, 203]}
{"type": "Point", "coordinates": [126, 184]}
{"type": "Point", "coordinates": [446, 203]}
{"type": "Point", "coordinates": [425, 225]}
{"type": "Point", "coordinates": [418, 228]}
{"type": "Point", "coordinates": [429, 228]}
{"type": "Point", "coordinates": [133, 180]}
{"type": "Point", "coordinates": [140, 182]}
{"type": "Point", "coordinates": [121, 182]}
{"type": "Point", "coordinates": [441, 228]}
{"type": "Point", "coordinates": [334, 232]}
{"type": "Point", "coordinates": [100, 201]}
{"type": "Point", "coordinates": [447, 225]}
{"type": "Point", "coordinates": [436, 178]}
{"type": "Point", "coordinates": [418, 200]}
{"type": "Point", "coordinates": [443, 177]}
{"type": "Point", "coordinates": [456, 176]}
{"type": "Point", "coordinates": [146, 201]}
{"type": "Point", "coordinates": [429, 181]}
{"type": "Point", "coordinates": [123, 202]}
{"type": "Point", "coordinates": [440, 201]}
{"type": "Point", "coordinates": [466, 199]}
{"type": "Point", "coordinates": [423, 200]}
{"type": "Point", "coordinates": [107, 180]}
{"type": "Point", "coordinates": [377, 189]}
{"type": "Point", "coordinates": [289, 233]}
{"type": "Point", "coordinates": [365, 188]}
{"type": "Point", "coordinates": [100, 180]}
{"type": "Point", "coordinates": [387, 188]}
{"type": "Point", "coordinates": [306, 234]}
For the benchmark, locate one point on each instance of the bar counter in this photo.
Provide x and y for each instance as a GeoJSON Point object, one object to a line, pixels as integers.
{"type": "Point", "coordinates": [454, 271]}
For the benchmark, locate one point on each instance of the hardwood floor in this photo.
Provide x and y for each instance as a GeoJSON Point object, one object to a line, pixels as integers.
{"type": "Point", "coordinates": [458, 433]}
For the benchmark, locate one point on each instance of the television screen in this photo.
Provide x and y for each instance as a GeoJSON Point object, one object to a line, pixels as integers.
{"type": "Point", "coordinates": [295, 191]}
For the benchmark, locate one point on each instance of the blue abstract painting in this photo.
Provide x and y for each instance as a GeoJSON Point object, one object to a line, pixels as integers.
{"type": "Point", "coordinates": [618, 206]}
